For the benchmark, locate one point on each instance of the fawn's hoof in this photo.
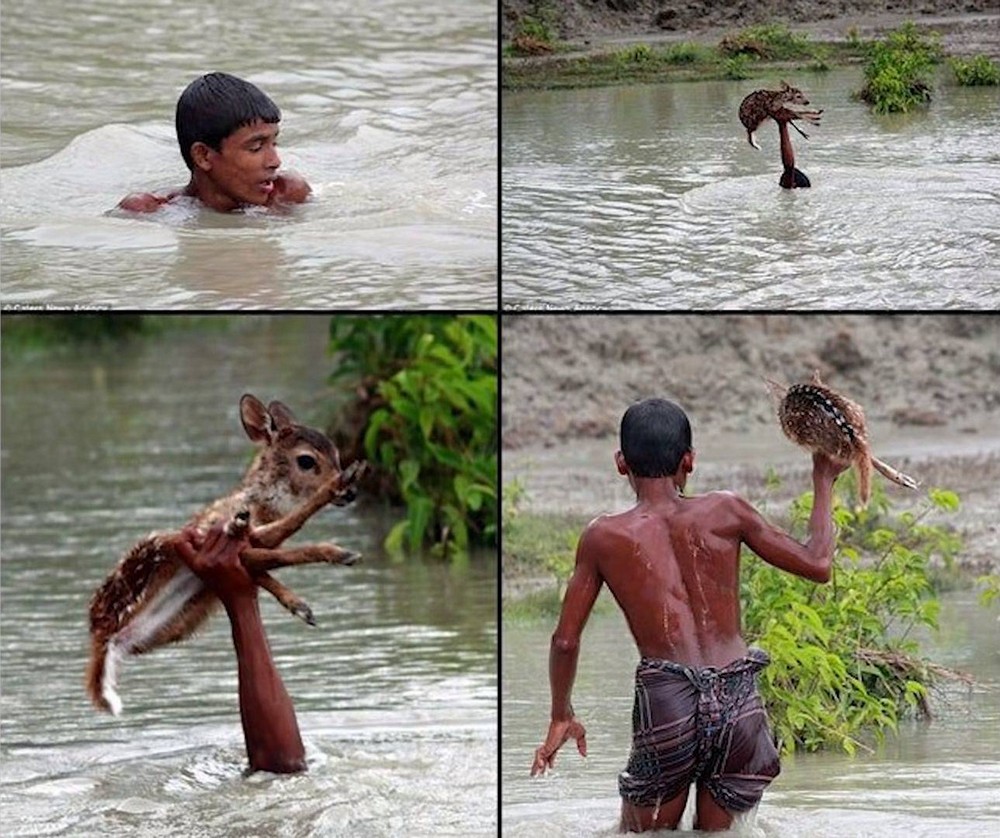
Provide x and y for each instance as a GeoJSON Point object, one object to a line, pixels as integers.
{"type": "Point", "coordinates": [304, 613]}
{"type": "Point", "coordinates": [350, 558]}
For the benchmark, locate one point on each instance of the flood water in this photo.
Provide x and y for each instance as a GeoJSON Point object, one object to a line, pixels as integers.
{"type": "Point", "coordinates": [651, 197]}
{"type": "Point", "coordinates": [935, 779]}
{"type": "Point", "coordinates": [389, 110]}
{"type": "Point", "coordinates": [395, 688]}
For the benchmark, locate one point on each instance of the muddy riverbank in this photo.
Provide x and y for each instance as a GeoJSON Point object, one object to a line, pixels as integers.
{"type": "Point", "coordinates": [966, 26]}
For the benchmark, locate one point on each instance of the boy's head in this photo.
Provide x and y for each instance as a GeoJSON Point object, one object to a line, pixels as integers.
{"type": "Point", "coordinates": [214, 106]}
{"type": "Point", "coordinates": [655, 436]}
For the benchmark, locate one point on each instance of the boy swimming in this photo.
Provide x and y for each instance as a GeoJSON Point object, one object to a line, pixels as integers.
{"type": "Point", "coordinates": [227, 129]}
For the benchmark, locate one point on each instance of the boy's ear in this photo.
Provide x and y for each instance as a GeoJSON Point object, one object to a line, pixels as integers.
{"type": "Point", "coordinates": [620, 463]}
{"type": "Point", "coordinates": [687, 461]}
{"type": "Point", "coordinates": [201, 156]}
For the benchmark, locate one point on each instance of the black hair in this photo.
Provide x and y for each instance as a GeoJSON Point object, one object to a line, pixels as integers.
{"type": "Point", "coordinates": [655, 435]}
{"type": "Point", "coordinates": [215, 105]}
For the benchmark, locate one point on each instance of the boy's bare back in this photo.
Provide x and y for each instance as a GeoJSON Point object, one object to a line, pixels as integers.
{"type": "Point", "coordinates": [673, 567]}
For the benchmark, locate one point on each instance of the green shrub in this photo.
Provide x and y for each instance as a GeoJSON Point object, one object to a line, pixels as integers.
{"type": "Point", "coordinates": [976, 71]}
{"type": "Point", "coordinates": [635, 54]}
{"type": "Point", "coordinates": [843, 662]}
{"type": "Point", "coordinates": [737, 67]}
{"type": "Point", "coordinates": [429, 387]}
{"type": "Point", "coordinates": [897, 72]}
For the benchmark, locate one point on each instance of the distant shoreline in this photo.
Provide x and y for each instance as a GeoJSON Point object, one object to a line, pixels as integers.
{"type": "Point", "coordinates": [586, 55]}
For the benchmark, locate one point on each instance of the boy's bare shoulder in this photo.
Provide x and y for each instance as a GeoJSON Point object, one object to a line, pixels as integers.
{"type": "Point", "coordinates": [290, 188]}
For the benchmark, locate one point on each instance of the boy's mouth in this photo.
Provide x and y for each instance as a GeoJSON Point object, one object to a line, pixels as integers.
{"type": "Point", "coordinates": [266, 186]}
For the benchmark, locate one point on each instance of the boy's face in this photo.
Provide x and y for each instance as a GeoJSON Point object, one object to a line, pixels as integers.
{"type": "Point", "coordinates": [244, 168]}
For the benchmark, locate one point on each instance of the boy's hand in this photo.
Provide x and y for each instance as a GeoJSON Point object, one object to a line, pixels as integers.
{"type": "Point", "coordinates": [827, 469]}
{"type": "Point", "coordinates": [559, 733]}
{"type": "Point", "coordinates": [215, 559]}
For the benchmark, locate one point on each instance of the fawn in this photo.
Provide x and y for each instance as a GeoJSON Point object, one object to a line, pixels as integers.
{"type": "Point", "coordinates": [783, 106]}
{"type": "Point", "coordinates": [152, 598]}
{"type": "Point", "coordinates": [822, 420]}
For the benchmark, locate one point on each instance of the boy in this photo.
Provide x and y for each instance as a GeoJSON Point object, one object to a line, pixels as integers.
{"type": "Point", "coordinates": [227, 130]}
{"type": "Point", "coordinates": [672, 564]}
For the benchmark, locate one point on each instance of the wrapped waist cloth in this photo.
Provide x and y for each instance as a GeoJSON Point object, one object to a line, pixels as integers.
{"type": "Point", "coordinates": [703, 725]}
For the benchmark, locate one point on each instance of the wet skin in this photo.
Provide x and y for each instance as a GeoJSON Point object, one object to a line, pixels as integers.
{"type": "Point", "coordinates": [271, 731]}
{"type": "Point", "coordinates": [243, 172]}
{"type": "Point", "coordinates": [672, 564]}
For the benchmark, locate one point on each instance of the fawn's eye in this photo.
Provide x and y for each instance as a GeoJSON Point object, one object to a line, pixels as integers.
{"type": "Point", "coordinates": [305, 462]}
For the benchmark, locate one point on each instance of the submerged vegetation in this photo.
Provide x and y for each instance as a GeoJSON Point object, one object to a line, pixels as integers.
{"type": "Point", "coordinates": [845, 663]}
{"type": "Point", "coordinates": [898, 70]}
{"type": "Point", "coordinates": [424, 416]}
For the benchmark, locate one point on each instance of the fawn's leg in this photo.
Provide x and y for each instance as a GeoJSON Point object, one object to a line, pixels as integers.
{"type": "Point", "coordinates": [262, 559]}
{"type": "Point", "coordinates": [341, 488]}
{"type": "Point", "coordinates": [286, 596]}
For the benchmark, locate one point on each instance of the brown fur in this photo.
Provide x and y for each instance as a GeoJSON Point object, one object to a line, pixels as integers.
{"type": "Point", "coordinates": [824, 421]}
{"type": "Point", "coordinates": [277, 491]}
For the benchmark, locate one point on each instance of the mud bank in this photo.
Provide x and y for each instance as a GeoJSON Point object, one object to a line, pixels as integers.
{"type": "Point", "coordinates": [967, 27]}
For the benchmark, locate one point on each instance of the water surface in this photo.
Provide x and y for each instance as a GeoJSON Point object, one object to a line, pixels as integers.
{"type": "Point", "coordinates": [934, 779]}
{"type": "Point", "coordinates": [395, 688]}
{"type": "Point", "coordinates": [389, 110]}
{"type": "Point", "coordinates": [650, 197]}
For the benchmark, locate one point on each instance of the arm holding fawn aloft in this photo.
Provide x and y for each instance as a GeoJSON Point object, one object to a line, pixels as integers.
{"type": "Point", "coordinates": [812, 559]}
{"type": "Point", "coordinates": [270, 729]}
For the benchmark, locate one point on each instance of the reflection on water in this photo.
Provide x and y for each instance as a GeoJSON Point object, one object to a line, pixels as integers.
{"type": "Point", "coordinates": [388, 110]}
{"type": "Point", "coordinates": [395, 689]}
{"type": "Point", "coordinates": [650, 197]}
{"type": "Point", "coordinates": [932, 780]}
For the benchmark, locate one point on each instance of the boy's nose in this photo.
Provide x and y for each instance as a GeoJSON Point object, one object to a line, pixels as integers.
{"type": "Point", "coordinates": [273, 161]}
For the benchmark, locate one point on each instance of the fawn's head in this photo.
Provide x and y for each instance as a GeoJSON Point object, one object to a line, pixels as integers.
{"type": "Point", "coordinates": [293, 461]}
{"type": "Point", "coordinates": [792, 95]}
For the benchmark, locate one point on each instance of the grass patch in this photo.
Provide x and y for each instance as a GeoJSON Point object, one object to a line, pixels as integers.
{"type": "Point", "coordinates": [534, 33]}
{"type": "Point", "coordinates": [688, 53]}
{"type": "Point", "coordinates": [751, 52]}
{"type": "Point", "coordinates": [769, 41]}
{"type": "Point", "coordinates": [978, 70]}
{"type": "Point", "coordinates": [897, 72]}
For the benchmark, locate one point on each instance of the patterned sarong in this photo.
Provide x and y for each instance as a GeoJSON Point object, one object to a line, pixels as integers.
{"type": "Point", "coordinates": [699, 725]}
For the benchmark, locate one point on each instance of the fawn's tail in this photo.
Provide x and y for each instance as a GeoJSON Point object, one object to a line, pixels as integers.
{"type": "Point", "coordinates": [102, 675]}
{"type": "Point", "coordinates": [894, 475]}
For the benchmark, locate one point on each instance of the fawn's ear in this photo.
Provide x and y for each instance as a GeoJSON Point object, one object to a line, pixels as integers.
{"type": "Point", "coordinates": [257, 422]}
{"type": "Point", "coordinates": [281, 415]}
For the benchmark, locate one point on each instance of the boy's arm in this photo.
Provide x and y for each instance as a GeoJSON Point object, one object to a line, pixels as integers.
{"type": "Point", "coordinates": [270, 728]}
{"type": "Point", "coordinates": [814, 558]}
{"type": "Point", "coordinates": [564, 651]}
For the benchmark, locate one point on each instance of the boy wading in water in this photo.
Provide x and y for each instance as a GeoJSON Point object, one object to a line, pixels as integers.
{"type": "Point", "coordinates": [672, 563]}
{"type": "Point", "coordinates": [228, 131]}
